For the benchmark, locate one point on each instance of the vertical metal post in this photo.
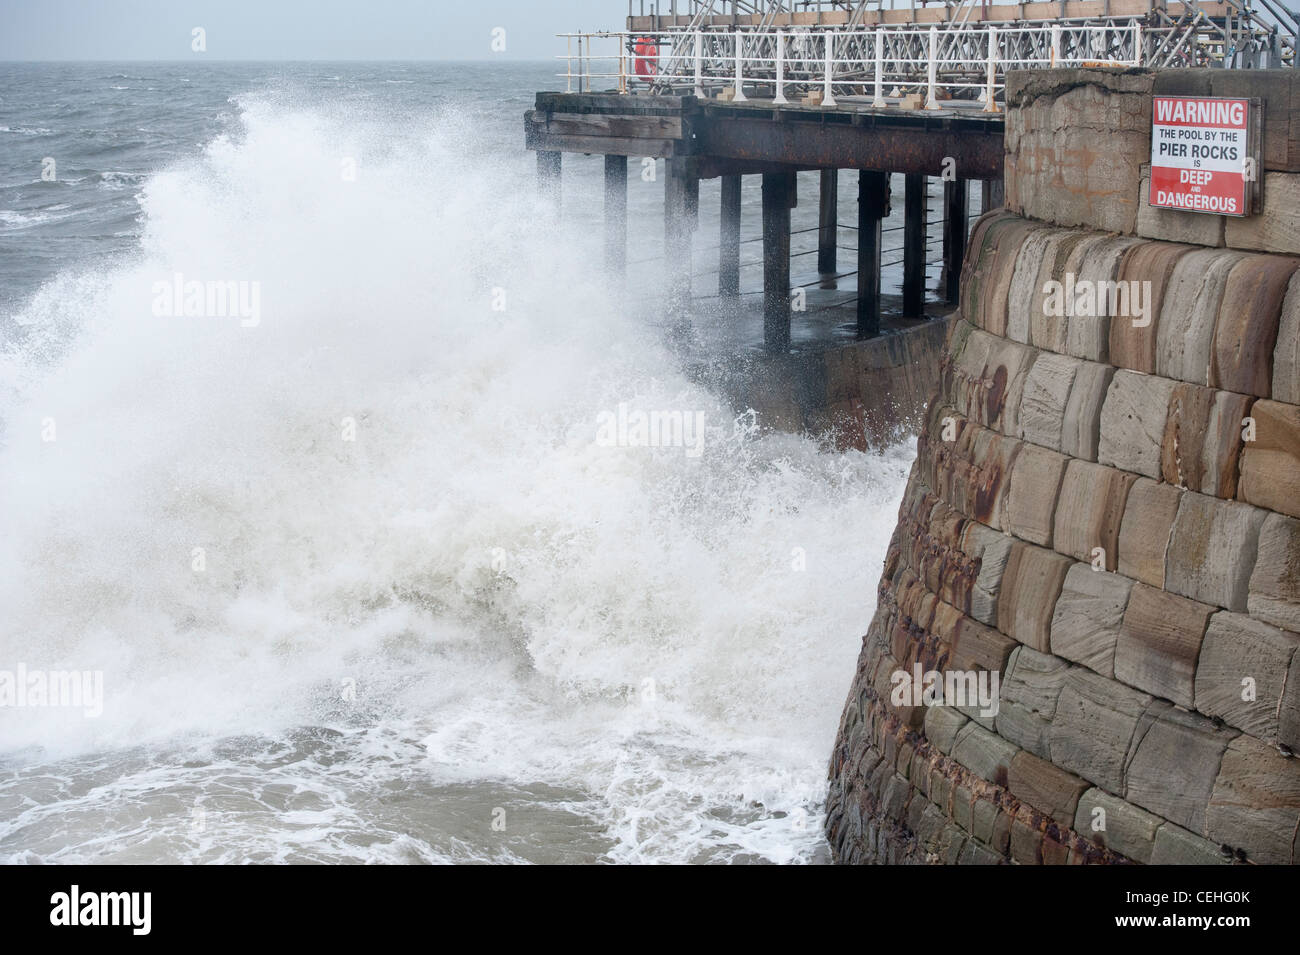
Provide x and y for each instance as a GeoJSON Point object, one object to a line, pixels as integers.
{"type": "Point", "coordinates": [729, 239]}
{"type": "Point", "coordinates": [1137, 44]}
{"type": "Point", "coordinates": [828, 221]}
{"type": "Point", "coordinates": [616, 215]}
{"type": "Point", "coordinates": [699, 64]}
{"type": "Point", "coordinates": [780, 99]}
{"type": "Point", "coordinates": [1056, 44]}
{"type": "Point", "coordinates": [740, 75]}
{"type": "Point", "coordinates": [914, 229]}
{"type": "Point", "coordinates": [828, 94]}
{"type": "Point", "coordinates": [873, 207]}
{"type": "Point", "coordinates": [932, 98]}
{"type": "Point", "coordinates": [879, 101]}
{"type": "Point", "coordinates": [956, 206]}
{"type": "Point", "coordinates": [990, 81]}
{"type": "Point", "coordinates": [778, 193]}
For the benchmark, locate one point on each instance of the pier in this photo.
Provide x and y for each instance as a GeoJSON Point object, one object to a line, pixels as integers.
{"type": "Point", "coordinates": [723, 90]}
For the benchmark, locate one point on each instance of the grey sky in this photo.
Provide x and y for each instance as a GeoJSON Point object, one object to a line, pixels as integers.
{"type": "Point", "coordinates": [294, 29]}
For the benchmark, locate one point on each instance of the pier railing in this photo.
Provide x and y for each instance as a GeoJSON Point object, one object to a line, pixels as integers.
{"type": "Point", "coordinates": [941, 62]}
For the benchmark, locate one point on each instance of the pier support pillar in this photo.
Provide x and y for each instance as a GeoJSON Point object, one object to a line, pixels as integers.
{"type": "Point", "coordinates": [873, 207]}
{"type": "Point", "coordinates": [778, 197]}
{"type": "Point", "coordinates": [729, 239]}
{"type": "Point", "coordinates": [828, 222]}
{"type": "Point", "coordinates": [991, 195]}
{"type": "Point", "coordinates": [914, 227]}
{"type": "Point", "coordinates": [616, 215]}
{"type": "Point", "coordinates": [681, 200]}
{"type": "Point", "coordinates": [956, 207]}
{"type": "Point", "coordinates": [548, 176]}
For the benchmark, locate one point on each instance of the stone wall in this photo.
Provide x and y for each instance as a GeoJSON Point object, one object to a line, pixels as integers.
{"type": "Point", "coordinates": [1105, 512]}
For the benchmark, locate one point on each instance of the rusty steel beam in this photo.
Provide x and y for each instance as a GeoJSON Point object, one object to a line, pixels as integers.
{"type": "Point", "coordinates": [895, 143]}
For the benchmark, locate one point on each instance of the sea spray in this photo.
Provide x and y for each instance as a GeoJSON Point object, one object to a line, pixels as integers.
{"type": "Point", "coordinates": [421, 574]}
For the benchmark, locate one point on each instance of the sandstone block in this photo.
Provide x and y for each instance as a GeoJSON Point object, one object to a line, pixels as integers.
{"type": "Point", "coordinates": [1043, 403]}
{"type": "Point", "coordinates": [1094, 723]}
{"type": "Point", "coordinates": [1133, 422]}
{"type": "Point", "coordinates": [1212, 550]}
{"type": "Point", "coordinates": [1081, 427]}
{"type": "Point", "coordinates": [1088, 615]}
{"type": "Point", "coordinates": [1276, 229]}
{"type": "Point", "coordinates": [1133, 344]}
{"type": "Point", "coordinates": [1274, 592]}
{"type": "Point", "coordinates": [1174, 765]}
{"type": "Point", "coordinates": [1255, 804]}
{"type": "Point", "coordinates": [1089, 510]}
{"type": "Point", "coordinates": [1237, 650]}
{"type": "Point", "coordinates": [1286, 357]}
{"type": "Point", "coordinates": [1160, 642]}
{"type": "Point", "coordinates": [1028, 695]}
{"type": "Point", "coordinates": [1149, 515]}
{"type": "Point", "coordinates": [991, 548]}
{"type": "Point", "coordinates": [1203, 439]}
{"type": "Point", "coordinates": [1118, 825]}
{"type": "Point", "coordinates": [1023, 291]}
{"type": "Point", "coordinates": [1270, 465]}
{"type": "Point", "coordinates": [942, 723]}
{"type": "Point", "coordinates": [1030, 587]}
{"type": "Point", "coordinates": [1049, 317]}
{"type": "Point", "coordinates": [1088, 331]}
{"type": "Point", "coordinates": [985, 754]}
{"type": "Point", "coordinates": [1031, 500]}
{"type": "Point", "coordinates": [1049, 789]}
{"type": "Point", "coordinates": [1176, 846]}
{"type": "Point", "coordinates": [1245, 335]}
{"type": "Point", "coordinates": [1185, 336]}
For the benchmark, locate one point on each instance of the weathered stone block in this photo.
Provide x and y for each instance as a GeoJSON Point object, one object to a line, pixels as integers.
{"type": "Point", "coordinates": [1086, 623]}
{"type": "Point", "coordinates": [1094, 723]}
{"type": "Point", "coordinates": [1274, 593]}
{"type": "Point", "coordinates": [1031, 501]}
{"type": "Point", "coordinates": [1151, 264]}
{"type": "Point", "coordinates": [1030, 587]}
{"type": "Point", "coordinates": [1203, 439]}
{"type": "Point", "coordinates": [1133, 422]}
{"type": "Point", "coordinates": [1286, 357]}
{"type": "Point", "coordinates": [1049, 789]}
{"type": "Point", "coordinates": [1118, 825]}
{"type": "Point", "coordinates": [1047, 391]}
{"type": "Point", "coordinates": [1174, 765]}
{"type": "Point", "coordinates": [1149, 515]}
{"type": "Point", "coordinates": [1089, 510]}
{"type": "Point", "coordinates": [1270, 465]}
{"type": "Point", "coordinates": [1081, 427]}
{"type": "Point", "coordinates": [1159, 643]}
{"type": "Point", "coordinates": [991, 548]}
{"type": "Point", "coordinates": [1049, 319]}
{"type": "Point", "coordinates": [1023, 292]}
{"type": "Point", "coordinates": [1245, 335]}
{"type": "Point", "coordinates": [1088, 332]}
{"type": "Point", "coordinates": [1255, 803]}
{"type": "Point", "coordinates": [1191, 306]}
{"type": "Point", "coordinates": [985, 754]}
{"type": "Point", "coordinates": [1277, 228]}
{"type": "Point", "coordinates": [1212, 550]}
{"type": "Point", "coordinates": [1176, 846]}
{"type": "Point", "coordinates": [942, 723]}
{"type": "Point", "coordinates": [1238, 650]}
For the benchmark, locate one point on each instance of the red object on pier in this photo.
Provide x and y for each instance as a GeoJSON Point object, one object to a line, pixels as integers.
{"type": "Point", "coordinates": [647, 58]}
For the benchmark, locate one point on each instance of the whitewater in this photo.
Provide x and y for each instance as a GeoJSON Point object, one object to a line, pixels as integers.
{"type": "Point", "coordinates": [362, 582]}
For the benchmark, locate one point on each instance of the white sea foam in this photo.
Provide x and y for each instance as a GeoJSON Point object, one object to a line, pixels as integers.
{"type": "Point", "coordinates": [510, 604]}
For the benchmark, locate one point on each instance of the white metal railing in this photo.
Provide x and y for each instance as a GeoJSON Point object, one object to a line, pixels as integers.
{"type": "Point", "coordinates": [941, 63]}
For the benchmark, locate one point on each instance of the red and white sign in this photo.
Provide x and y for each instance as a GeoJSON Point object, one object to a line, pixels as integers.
{"type": "Point", "coordinates": [1200, 154]}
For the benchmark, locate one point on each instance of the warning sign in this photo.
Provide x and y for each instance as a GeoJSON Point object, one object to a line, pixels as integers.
{"type": "Point", "coordinates": [1200, 155]}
